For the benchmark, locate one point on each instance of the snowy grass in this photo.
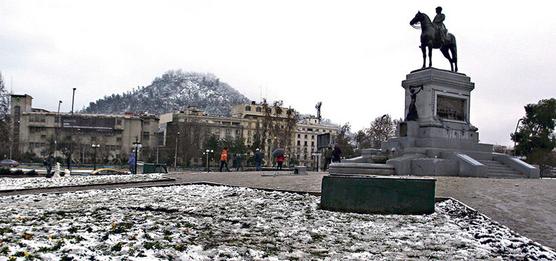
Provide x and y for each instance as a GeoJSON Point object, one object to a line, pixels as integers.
{"type": "Point", "coordinates": [42, 182]}
{"type": "Point", "coordinates": [200, 222]}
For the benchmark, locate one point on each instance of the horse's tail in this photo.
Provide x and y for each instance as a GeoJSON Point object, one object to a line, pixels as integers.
{"type": "Point", "coordinates": [454, 48]}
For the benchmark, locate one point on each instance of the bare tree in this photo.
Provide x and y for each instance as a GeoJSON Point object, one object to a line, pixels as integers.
{"type": "Point", "coordinates": [381, 129]}
{"type": "Point", "coordinates": [5, 130]}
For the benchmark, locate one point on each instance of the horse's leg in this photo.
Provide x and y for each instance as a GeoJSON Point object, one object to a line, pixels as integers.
{"type": "Point", "coordinates": [446, 54]}
{"type": "Point", "coordinates": [424, 54]}
{"type": "Point", "coordinates": [454, 51]}
{"type": "Point", "coordinates": [430, 55]}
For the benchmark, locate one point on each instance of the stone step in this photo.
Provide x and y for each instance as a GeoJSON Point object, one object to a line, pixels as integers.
{"type": "Point", "coordinates": [361, 165]}
{"type": "Point", "coordinates": [350, 168]}
{"type": "Point", "coordinates": [499, 170]}
{"type": "Point", "coordinates": [361, 171]}
{"type": "Point", "coordinates": [504, 176]}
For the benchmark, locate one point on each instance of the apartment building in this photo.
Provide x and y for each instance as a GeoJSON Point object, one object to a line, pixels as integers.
{"type": "Point", "coordinates": [42, 132]}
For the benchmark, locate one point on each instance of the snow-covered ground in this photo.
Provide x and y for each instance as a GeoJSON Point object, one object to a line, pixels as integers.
{"type": "Point", "coordinates": [42, 182]}
{"type": "Point", "coordinates": [200, 222]}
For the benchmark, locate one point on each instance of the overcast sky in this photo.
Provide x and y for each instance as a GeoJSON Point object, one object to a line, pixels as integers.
{"type": "Point", "coordinates": [351, 55]}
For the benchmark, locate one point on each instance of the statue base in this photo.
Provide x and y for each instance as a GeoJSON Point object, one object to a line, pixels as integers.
{"type": "Point", "coordinates": [441, 140]}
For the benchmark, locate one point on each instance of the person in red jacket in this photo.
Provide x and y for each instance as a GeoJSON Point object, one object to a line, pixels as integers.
{"type": "Point", "coordinates": [224, 159]}
{"type": "Point", "coordinates": [279, 161]}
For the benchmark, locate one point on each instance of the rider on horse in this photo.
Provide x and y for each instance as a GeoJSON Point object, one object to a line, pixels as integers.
{"type": "Point", "coordinates": [438, 22]}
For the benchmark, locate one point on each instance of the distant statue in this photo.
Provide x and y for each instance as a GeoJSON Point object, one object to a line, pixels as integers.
{"type": "Point", "coordinates": [319, 104]}
{"type": "Point", "coordinates": [434, 35]}
{"type": "Point", "coordinates": [412, 111]}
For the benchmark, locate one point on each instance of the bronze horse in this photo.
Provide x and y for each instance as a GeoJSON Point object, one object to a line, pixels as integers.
{"type": "Point", "coordinates": [431, 39]}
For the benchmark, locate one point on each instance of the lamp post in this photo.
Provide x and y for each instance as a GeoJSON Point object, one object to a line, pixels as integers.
{"type": "Point", "coordinates": [176, 151]}
{"type": "Point", "coordinates": [95, 147]}
{"type": "Point", "coordinates": [56, 130]}
{"type": "Point", "coordinates": [72, 99]}
{"type": "Point", "coordinates": [136, 145]}
{"type": "Point", "coordinates": [207, 152]}
{"type": "Point", "coordinates": [516, 126]}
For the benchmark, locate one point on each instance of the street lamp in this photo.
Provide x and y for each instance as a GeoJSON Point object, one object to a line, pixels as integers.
{"type": "Point", "coordinates": [95, 147]}
{"type": "Point", "coordinates": [72, 99]}
{"type": "Point", "coordinates": [176, 152]}
{"type": "Point", "coordinates": [136, 145]}
{"type": "Point", "coordinates": [56, 130]}
{"type": "Point", "coordinates": [516, 126]}
{"type": "Point", "coordinates": [207, 152]}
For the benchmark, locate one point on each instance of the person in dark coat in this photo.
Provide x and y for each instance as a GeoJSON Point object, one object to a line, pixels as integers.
{"type": "Point", "coordinates": [131, 163]}
{"type": "Point", "coordinates": [336, 154]}
{"type": "Point", "coordinates": [258, 159]}
{"type": "Point", "coordinates": [238, 161]}
{"type": "Point", "coordinates": [48, 164]}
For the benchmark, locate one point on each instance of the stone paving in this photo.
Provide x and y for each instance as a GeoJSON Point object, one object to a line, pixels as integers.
{"type": "Point", "coordinates": [528, 206]}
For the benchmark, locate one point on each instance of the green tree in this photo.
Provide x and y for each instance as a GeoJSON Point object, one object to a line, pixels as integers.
{"type": "Point", "coordinates": [535, 138]}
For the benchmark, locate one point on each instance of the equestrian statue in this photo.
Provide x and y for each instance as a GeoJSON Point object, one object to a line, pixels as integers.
{"type": "Point", "coordinates": [435, 36]}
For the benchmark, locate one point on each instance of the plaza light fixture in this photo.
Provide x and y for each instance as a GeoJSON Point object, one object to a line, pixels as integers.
{"type": "Point", "coordinates": [176, 151]}
{"type": "Point", "coordinates": [95, 147]}
{"type": "Point", "coordinates": [136, 146]}
{"type": "Point", "coordinates": [207, 152]}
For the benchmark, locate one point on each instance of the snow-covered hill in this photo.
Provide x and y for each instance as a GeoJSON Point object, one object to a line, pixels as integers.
{"type": "Point", "coordinates": [173, 91]}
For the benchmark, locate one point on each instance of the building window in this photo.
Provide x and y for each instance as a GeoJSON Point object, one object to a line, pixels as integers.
{"type": "Point", "coordinates": [298, 143]}
{"type": "Point", "coordinates": [312, 137]}
{"type": "Point", "coordinates": [298, 136]}
{"type": "Point", "coordinates": [305, 143]}
{"type": "Point", "coordinates": [119, 139]}
{"type": "Point", "coordinates": [118, 121]}
{"type": "Point", "coordinates": [258, 109]}
{"type": "Point", "coordinates": [312, 143]}
{"type": "Point", "coordinates": [146, 135]}
{"type": "Point", "coordinates": [305, 136]}
{"type": "Point", "coordinates": [247, 108]}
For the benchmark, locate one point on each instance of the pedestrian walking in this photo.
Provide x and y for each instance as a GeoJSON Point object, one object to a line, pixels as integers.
{"type": "Point", "coordinates": [131, 163]}
{"type": "Point", "coordinates": [279, 161]}
{"type": "Point", "coordinates": [48, 164]}
{"type": "Point", "coordinates": [238, 162]}
{"type": "Point", "coordinates": [224, 159]}
{"type": "Point", "coordinates": [258, 159]}
{"type": "Point", "coordinates": [336, 154]}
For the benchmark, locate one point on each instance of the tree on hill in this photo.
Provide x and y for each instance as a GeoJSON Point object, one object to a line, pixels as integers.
{"type": "Point", "coordinates": [535, 138]}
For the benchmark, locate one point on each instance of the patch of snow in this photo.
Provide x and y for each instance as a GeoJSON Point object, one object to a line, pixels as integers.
{"type": "Point", "coordinates": [199, 222]}
{"type": "Point", "coordinates": [42, 182]}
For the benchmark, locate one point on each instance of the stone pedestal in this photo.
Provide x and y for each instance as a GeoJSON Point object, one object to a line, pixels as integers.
{"type": "Point", "coordinates": [439, 140]}
{"type": "Point", "coordinates": [443, 108]}
{"type": "Point", "coordinates": [378, 195]}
